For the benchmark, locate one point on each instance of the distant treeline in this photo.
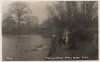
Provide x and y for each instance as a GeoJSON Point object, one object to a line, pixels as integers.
{"type": "Point", "coordinates": [12, 28]}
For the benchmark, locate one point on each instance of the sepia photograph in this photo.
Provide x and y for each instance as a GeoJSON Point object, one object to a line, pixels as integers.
{"type": "Point", "coordinates": [49, 30]}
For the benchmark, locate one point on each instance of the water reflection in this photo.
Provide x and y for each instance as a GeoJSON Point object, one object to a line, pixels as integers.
{"type": "Point", "coordinates": [30, 47]}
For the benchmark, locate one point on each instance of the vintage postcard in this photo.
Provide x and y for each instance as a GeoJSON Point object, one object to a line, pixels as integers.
{"type": "Point", "coordinates": [50, 30]}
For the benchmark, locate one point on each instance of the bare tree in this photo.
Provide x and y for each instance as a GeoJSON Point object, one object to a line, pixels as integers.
{"type": "Point", "coordinates": [88, 11]}
{"type": "Point", "coordinates": [71, 14]}
{"type": "Point", "coordinates": [89, 16]}
{"type": "Point", "coordinates": [19, 9]}
{"type": "Point", "coordinates": [63, 13]}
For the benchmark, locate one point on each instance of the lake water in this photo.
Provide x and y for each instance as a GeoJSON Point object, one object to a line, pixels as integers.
{"type": "Point", "coordinates": [27, 48]}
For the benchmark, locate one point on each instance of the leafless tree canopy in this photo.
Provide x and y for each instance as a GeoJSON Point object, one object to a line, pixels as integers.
{"type": "Point", "coordinates": [73, 14]}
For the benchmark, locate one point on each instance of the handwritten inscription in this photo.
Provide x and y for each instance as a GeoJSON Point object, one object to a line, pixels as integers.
{"type": "Point", "coordinates": [67, 58]}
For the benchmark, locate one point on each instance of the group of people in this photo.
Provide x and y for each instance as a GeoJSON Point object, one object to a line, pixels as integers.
{"type": "Point", "coordinates": [66, 40]}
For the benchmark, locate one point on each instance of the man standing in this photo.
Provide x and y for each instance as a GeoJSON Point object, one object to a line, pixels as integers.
{"type": "Point", "coordinates": [53, 46]}
{"type": "Point", "coordinates": [65, 38]}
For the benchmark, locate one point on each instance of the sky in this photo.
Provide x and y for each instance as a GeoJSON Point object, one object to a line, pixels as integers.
{"type": "Point", "coordinates": [38, 8]}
